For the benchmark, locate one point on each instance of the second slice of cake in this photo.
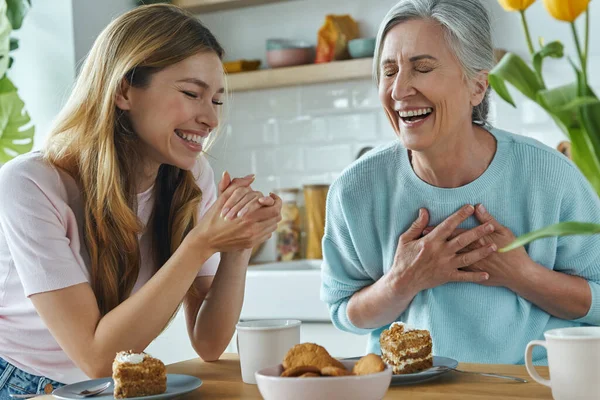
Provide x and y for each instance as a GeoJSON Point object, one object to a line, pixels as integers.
{"type": "Point", "coordinates": [406, 350]}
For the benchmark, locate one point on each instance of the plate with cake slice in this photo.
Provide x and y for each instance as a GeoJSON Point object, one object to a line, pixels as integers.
{"type": "Point", "coordinates": [408, 352]}
{"type": "Point", "coordinates": [135, 375]}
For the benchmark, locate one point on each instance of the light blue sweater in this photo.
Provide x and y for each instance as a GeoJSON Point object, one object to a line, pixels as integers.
{"type": "Point", "coordinates": [526, 187]}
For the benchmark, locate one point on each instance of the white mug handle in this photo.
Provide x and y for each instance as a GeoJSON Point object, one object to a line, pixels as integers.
{"type": "Point", "coordinates": [529, 364]}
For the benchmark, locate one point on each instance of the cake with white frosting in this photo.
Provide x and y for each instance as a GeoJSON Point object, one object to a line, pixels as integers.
{"type": "Point", "coordinates": [138, 374]}
{"type": "Point", "coordinates": [405, 349]}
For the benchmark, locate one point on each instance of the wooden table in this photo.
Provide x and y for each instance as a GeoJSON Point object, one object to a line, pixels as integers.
{"type": "Point", "coordinates": [222, 380]}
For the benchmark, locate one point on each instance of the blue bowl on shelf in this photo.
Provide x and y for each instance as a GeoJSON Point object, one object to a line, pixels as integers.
{"type": "Point", "coordinates": [362, 47]}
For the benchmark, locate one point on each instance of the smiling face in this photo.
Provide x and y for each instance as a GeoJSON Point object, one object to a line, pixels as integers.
{"type": "Point", "coordinates": [422, 86]}
{"type": "Point", "coordinates": [176, 111]}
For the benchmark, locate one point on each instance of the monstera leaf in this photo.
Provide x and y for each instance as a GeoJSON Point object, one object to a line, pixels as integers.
{"type": "Point", "coordinates": [5, 29]}
{"type": "Point", "coordinates": [17, 9]}
{"type": "Point", "coordinates": [16, 131]}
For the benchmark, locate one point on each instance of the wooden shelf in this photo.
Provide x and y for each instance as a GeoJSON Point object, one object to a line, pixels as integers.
{"type": "Point", "coordinates": [300, 75]}
{"type": "Point", "coordinates": [204, 6]}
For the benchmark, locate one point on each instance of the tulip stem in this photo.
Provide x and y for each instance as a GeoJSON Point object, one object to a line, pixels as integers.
{"type": "Point", "coordinates": [579, 52]}
{"type": "Point", "coordinates": [526, 29]}
{"type": "Point", "coordinates": [587, 36]}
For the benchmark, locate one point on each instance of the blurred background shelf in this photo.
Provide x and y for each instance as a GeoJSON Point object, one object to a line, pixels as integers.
{"type": "Point", "coordinates": [202, 6]}
{"type": "Point", "coordinates": [301, 75]}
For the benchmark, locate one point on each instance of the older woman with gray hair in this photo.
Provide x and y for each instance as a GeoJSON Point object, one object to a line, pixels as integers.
{"type": "Point", "coordinates": [413, 228]}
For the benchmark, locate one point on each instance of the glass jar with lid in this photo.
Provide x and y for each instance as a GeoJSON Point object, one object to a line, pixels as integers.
{"type": "Point", "coordinates": [289, 228]}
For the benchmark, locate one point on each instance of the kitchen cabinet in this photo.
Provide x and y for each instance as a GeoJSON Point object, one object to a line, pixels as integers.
{"type": "Point", "coordinates": [203, 6]}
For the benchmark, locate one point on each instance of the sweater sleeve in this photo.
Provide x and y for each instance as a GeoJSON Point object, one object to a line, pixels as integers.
{"type": "Point", "coordinates": [342, 273]}
{"type": "Point", "coordinates": [39, 229]}
{"type": "Point", "coordinates": [579, 255]}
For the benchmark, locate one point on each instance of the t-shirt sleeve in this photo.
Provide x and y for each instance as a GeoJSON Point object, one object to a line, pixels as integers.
{"type": "Point", "coordinates": [580, 254]}
{"type": "Point", "coordinates": [205, 179]}
{"type": "Point", "coordinates": [38, 228]}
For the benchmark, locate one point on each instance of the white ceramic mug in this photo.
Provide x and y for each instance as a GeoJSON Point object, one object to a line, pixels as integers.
{"type": "Point", "coordinates": [264, 343]}
{"type": "Point", "coordinates": [573, 360]}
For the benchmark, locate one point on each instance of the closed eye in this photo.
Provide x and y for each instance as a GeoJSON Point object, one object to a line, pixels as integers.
{"type": "Point", "coordinates": [217, 103]}
{"type": "Point", "coordinates": [190, 94]}
{"type": "Point", "coordinates": [423, 70]}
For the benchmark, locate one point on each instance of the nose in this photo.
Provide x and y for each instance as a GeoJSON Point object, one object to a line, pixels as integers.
{"type": "Point", "coordinates": [208, 116]}
{"type": "Point", "coordinates": [402, 86]}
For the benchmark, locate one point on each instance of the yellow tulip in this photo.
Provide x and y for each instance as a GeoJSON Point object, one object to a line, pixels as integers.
{"type": "Point", "coordinates": [515, 5]}
{"type": "Point", "coordinates": [566, 10]}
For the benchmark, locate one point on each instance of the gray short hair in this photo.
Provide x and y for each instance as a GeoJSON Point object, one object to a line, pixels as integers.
{"type": "Point", "coordinates": [468, 32]}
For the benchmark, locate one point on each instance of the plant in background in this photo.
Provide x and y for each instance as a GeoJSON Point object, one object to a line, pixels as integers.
{"type": "Point", "coordinates": [16, 131]}
{"type": "Point", "coordinates": [574, 107]}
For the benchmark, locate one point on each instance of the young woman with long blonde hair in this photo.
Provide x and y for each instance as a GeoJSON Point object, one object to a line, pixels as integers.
{"type": "Point", "coordinates": [118, 221]}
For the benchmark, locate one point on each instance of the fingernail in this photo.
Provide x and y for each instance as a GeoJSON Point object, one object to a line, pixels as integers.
{"type": "Point", "coordinates": [224, 212]}
{"type": "Point", "coordinates": [223, 174]}
{"type": "Point", "coordinates": [486, 277]}
{"type": "Point", "coordinates": [493, 247]}
{"type": "Point", "coordinates": [420, 212]}
{"type": "Point", "coordinates": [251, 176]}
{"type": "Point", "coordinates": [242, 213]}
{"type": "Point", "coordinates": [489, 228]}
{"type": "Point", "coordinates": [482, 209]}
{"type": "Point", "coordinates": [230, 216]}
{"type": "Point", "coordinates": [470, 208]}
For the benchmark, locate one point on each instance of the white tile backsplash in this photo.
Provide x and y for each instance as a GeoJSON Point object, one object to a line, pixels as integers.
{"type": "Point", "coordinates": [308, 134]}
{"type": "Point", "coordinates": [303, 130]}
{"type": "Point", "coordinates": [326, 98]}
{"type": "Point", "coordinates": [328, 158]}
{"type": "Point", "coordinates": [364, 95]}
{"type": "Point", "coordinates": [348, 127]}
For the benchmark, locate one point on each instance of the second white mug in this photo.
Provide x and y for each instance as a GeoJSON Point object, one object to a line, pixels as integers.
{"type": "Point", "coordinates": [573, 360]}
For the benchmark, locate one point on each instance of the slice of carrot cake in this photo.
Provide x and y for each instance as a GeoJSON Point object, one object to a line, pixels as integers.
{"type": "Point", "coordinates": [405, 349]}
{"type": "Point", "coordinates": [138, 374]}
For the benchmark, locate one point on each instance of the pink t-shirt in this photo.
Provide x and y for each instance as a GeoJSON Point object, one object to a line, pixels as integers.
{"type": "Point", "coordinates": [42, 249]}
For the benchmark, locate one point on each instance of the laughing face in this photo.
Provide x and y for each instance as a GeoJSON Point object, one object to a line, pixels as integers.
{"type": "Point", "coordinates": [422, 86]}
{"type": "Point", "coordinates": [174, 114]}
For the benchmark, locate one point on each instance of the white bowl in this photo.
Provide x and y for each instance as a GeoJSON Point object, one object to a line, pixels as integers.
{"type": "Point", "coordinates": [354, 387]}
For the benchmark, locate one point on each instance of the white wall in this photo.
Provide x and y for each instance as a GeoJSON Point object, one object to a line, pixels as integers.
{"type": "Point", "coordinates": [90, 17]}
{"type": "Point", "coordinates": [43, 69]}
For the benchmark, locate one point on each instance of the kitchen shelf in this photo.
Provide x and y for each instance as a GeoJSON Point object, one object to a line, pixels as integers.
{"type": "Point", "coordinates": [203, 6]}
{"type": "Point", "coordinates": [300, 75]}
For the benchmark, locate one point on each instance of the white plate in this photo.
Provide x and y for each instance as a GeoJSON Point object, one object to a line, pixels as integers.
{"type": "Point", "coordinates": [176, 386]}
{"type": "Point", "coordinates": [422, 376]}
{"type": "Point", "coordinates": [428, 374]}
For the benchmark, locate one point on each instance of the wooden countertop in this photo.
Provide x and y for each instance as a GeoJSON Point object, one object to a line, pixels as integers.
{"type": "Point", "coordinates": [222, 380]}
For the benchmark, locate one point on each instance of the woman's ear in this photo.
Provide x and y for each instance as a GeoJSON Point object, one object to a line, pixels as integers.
{"type": "Point", "coordinates": [479, 88]}
{"type": "Point", "coordinates": [122, 99]}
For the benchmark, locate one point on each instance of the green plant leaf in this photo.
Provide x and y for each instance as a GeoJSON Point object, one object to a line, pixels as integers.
{"type": "Point", "coordinates": [561, 229]}
{"type": "Point", "coordinates": [17, 9]}
{"type": "Point", "coordinates": [16, 131]}
{"type": "Point", "coordinates": [578, 102]}
{"type": "Point", "coordinates": [563, 106]}
{"type": "Point", "coordinates": [553, 49]}
{"type": "Point", "coordinates": [555, 100]}
{"type": "Point", "coordinates": [13, 44]}
{"type": "Point", "coordinates": [5, 29]}
{"type": "Point", "coordinates": [514, 70]}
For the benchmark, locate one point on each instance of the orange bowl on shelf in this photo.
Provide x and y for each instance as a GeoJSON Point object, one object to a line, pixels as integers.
{"type": "Point", "coordinates": [232, 67]}
{"type": "Point", "coordinates": [288, 57]}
